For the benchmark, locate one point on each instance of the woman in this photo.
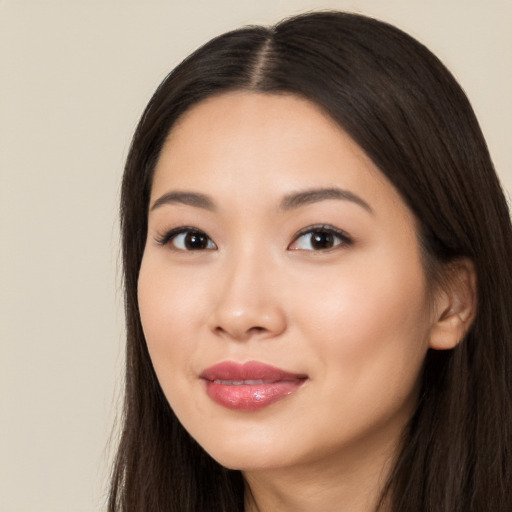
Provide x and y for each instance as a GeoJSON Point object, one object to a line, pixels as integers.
{"type": "Point", "coordinates": [317, 271]}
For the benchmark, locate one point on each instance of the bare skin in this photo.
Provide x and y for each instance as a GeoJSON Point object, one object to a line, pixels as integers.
{"type": "Point", "coordinates": [318, 489]}
{"type": "Point", "coordinates": [273, 238]}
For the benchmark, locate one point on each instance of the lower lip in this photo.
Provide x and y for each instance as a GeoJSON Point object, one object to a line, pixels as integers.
{"type": "Point", "coordinates": [251, 397]}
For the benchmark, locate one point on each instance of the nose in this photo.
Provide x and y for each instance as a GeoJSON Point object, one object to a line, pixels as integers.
{"type": "Point", "coordinates": [247, 304]}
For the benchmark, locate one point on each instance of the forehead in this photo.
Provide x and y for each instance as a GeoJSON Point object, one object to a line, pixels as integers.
{"type": "Point", "coordinates": [256, 145]}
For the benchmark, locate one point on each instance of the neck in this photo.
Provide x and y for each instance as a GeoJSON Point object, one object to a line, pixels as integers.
{"type": "Point", "coordinates": [356, 485]}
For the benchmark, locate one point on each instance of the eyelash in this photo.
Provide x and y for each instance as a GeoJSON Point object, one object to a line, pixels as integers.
{"type": "Point", "coordinates": [171, 235]}
{"type": "Point", "coordinates": [343, 239]}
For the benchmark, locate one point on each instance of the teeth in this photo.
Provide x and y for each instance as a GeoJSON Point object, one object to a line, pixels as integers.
{"type": "Point", "coordinates": [249, 382]}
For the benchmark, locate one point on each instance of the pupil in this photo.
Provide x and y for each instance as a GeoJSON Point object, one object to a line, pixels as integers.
{"type": "Point", "coordinates": [195, 241]}
{"type": "Point", "coordinates": [322, 240]}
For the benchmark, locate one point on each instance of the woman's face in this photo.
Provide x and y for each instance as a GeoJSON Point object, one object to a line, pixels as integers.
{"type": "Point", "coordinates": [273, 240]}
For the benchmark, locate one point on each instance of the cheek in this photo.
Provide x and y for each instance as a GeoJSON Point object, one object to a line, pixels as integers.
{"type": "Point", "coordinates": [368, 339]}
{"type": "Point", "coordinates": [170, 299]}
{"type": "Point", "coordinates": [169, 308]}
{"type": "Point", "coordinates": [373, 318]}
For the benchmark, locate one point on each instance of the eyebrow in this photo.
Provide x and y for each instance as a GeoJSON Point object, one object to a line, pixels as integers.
{"type": "Point", "coordinates": [298, 199]}
{"type": "Point", "coordinates": [188, 198]}
{"type": "Point", "coordinates": [289, 202]}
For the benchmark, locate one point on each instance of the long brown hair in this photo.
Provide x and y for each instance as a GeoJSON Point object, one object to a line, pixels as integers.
{"type": "Point", "coordinates": [406, 111]}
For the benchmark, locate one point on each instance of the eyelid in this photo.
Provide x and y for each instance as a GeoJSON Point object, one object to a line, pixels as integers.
{"type": "Point", "coordinates": [345, 239]}
{"type": "Point", "coordinates": [167, 236]}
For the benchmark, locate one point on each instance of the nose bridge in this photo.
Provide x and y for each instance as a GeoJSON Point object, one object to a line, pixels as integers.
{"type": "Point", "coordinates": [247, 303]}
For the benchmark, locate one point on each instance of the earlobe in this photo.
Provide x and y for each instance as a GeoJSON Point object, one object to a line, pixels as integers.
{"type": "Point", "coordinates": [456, 305]}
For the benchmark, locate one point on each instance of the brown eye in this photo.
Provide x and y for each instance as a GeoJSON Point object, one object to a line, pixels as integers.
{"type": "Point", "coordinates": [322, 240]}
{"type": "Point", "coordinates": [319, 239]}
{"type": "Point", "coordinates": [195, 241]}
{"type": "Point", "coordinates": [189, 240]}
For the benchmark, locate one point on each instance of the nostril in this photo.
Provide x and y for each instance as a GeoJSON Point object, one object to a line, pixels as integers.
{"type": "Point", "coordinates": [256, 329]}
{"type": "Point", "coordinates": [241, 334]}
{"type": "Point", "coordinates": [251, 330]}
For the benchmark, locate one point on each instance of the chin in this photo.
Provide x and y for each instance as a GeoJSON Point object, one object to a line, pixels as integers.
{"type": "Point", "coordinates": [247, 457]}
{"type": "Point", "coordinates": [248, 463]}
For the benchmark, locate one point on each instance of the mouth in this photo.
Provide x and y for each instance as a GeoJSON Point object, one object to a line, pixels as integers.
{"type": "Point", "coordinates": [250, 386]}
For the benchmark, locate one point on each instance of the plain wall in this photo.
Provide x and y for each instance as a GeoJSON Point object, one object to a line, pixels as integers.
{"type": "Point", "coordinates": [74, 78]}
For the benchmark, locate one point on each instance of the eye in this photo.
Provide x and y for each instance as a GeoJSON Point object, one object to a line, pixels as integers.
{"type": "Point", "coordinates": [319, 238]}
{"type": "Point", "coordinates": [187, 239]}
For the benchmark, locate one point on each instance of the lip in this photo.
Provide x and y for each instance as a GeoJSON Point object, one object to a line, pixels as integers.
{"type": "Point", "coordinates": [249, 386]}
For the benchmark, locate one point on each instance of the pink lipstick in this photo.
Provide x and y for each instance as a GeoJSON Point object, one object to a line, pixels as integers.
{"type": "Point", "coordinates": [249, 386]}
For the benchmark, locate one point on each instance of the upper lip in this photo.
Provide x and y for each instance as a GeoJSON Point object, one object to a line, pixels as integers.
{"type": "Point", "coordinates": [252, 370]}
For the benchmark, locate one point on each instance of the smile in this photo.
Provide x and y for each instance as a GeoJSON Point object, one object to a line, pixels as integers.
{"type": "Point", "coordinates": [250, 386]}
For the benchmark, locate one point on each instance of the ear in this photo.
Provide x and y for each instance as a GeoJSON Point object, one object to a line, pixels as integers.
{"type": "Point", "coordinates": [455, 305]}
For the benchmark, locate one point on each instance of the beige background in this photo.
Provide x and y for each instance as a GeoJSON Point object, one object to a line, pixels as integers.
{"type": "Point", "coordinates": [74, 77]}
